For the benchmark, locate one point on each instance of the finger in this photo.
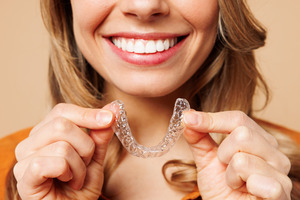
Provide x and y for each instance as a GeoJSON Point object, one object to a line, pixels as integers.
{"type": "Point", "coordinates": [203, 147]}
{"type": "Point", "coordinates": [94, 177]}
{"type": "Point", "coordinates": [223, 122]}
{"type": "Point", "coordinates": [59, 149]}
{"type": "Point", "coordinates": [243, 165]}
{"type": "Point", "coordinates": [242, 139]}
{"type": "Point", "coordinates": [101, 139]}
{"type": "Point", "coordinates": [268, 188]}
{"type": "Point", "coordinates": [83, 117]}
{"type": "Point", "coordinates": [56, 130]}
{"type": "Point", "coordinates": [38, 179]}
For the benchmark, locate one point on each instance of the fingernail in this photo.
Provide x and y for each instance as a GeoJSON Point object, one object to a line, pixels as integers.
{"type": "Point", "coordinates": [104, 117]}
{"type": "Point", "coordinates": [191, 118]}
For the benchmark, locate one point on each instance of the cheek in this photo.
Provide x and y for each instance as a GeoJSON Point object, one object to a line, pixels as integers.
{"type": "Point", "coordinates": [89, 14]}
{"type": "Point", "coordinates": [201, 14]}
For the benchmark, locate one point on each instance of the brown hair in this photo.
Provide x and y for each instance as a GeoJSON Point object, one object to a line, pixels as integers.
{"type": "Point", "coordinates": [226, 81]}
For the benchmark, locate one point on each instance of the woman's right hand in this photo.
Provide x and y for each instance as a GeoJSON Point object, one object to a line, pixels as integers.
{"type": "Point", "coordinates": [59, 160]}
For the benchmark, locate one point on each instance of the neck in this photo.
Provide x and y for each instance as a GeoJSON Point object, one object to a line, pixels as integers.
{"type": "Point", "coordinates": [148, 117]}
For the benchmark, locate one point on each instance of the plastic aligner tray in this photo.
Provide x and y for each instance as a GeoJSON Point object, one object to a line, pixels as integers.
{"type": "Point", "coordinates": [175, 129]}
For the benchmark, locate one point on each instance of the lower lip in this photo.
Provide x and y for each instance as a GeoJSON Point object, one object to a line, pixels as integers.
{"type": "Point", "coordinates": [146, 59]}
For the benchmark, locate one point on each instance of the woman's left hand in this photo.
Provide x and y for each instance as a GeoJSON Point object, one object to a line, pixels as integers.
{"type": "Point", "coordinates": [246, 165]}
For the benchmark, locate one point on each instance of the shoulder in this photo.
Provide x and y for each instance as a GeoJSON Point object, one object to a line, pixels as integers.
{"type": "Point", "coordinates": [278, 130]}
{"type": "Point", "coordinates": [9, 142]}
{"type": "Point", "coordinates": [16, 137]}
{"type": "Point", "coordinates": [7, 154]}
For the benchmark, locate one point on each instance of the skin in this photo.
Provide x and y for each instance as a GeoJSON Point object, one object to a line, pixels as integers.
{"type": "Point", "coordinates": [93, 20]}
{"type": "Point", "coordinates": [247, 164]}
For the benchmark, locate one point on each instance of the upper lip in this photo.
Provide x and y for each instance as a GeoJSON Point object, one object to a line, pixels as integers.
{"type": "Point", "coordinates": [145, 36]}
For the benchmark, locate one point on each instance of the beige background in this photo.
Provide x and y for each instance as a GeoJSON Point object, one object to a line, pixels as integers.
{"type": "Point", "coordinates": [24, 50]}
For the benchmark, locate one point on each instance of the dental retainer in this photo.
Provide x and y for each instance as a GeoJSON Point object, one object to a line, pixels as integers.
{"type": "Point", "coordinates": [175, 129]}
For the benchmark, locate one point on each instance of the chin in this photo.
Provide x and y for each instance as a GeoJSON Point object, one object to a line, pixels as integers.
{"type": "Point", "coordinates": [149, 91]}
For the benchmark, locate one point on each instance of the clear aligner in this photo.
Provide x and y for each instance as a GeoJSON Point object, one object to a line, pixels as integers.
{"type": "Point", "coordinates": [175, 129]}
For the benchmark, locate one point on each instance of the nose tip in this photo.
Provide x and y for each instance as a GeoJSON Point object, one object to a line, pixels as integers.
{"type": "Point", "coordinates": [145, 10]}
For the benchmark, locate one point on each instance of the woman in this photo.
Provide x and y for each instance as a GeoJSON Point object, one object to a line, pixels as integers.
{"type": "Point", "coordinates": [148, 53]}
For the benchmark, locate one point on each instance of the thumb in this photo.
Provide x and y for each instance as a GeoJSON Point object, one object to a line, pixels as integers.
{"type": "Point", "coordinates": [203, 147]}
{"type": "Point", "coordinates": [95, 175]}
{"type": "Point", "coordinates": [101, 138]}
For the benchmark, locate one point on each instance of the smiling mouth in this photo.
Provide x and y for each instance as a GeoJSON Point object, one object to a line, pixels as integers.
{"type": "Point", "coordinates": [143, 46]}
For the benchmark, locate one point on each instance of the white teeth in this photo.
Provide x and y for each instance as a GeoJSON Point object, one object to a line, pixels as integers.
{"type": "Point", "coordinates": [172, 43]}
{"type": "Point", "coordinates": [123, 44]}
{"type": "Point", "coordinates": [150, 47]}
{"type": "Point", "coordinates": [139, 47]}
{"type": "Point", "coordinates": [160, 46]}
{"type": "Point", "coordinates": [143, 46]}
{"type": "Point", "coordinates": [116, 42]}
{"type": "Point", "coordinates": [166, 44]}
{"type": "Point", "coordinates": [129, 46]}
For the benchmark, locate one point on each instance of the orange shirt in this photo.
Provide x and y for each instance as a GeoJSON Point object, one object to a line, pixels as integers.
{"type": "Point", "coordinates": [9, 143]}
{"type": "Point", "coordinates": [7, 155]}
